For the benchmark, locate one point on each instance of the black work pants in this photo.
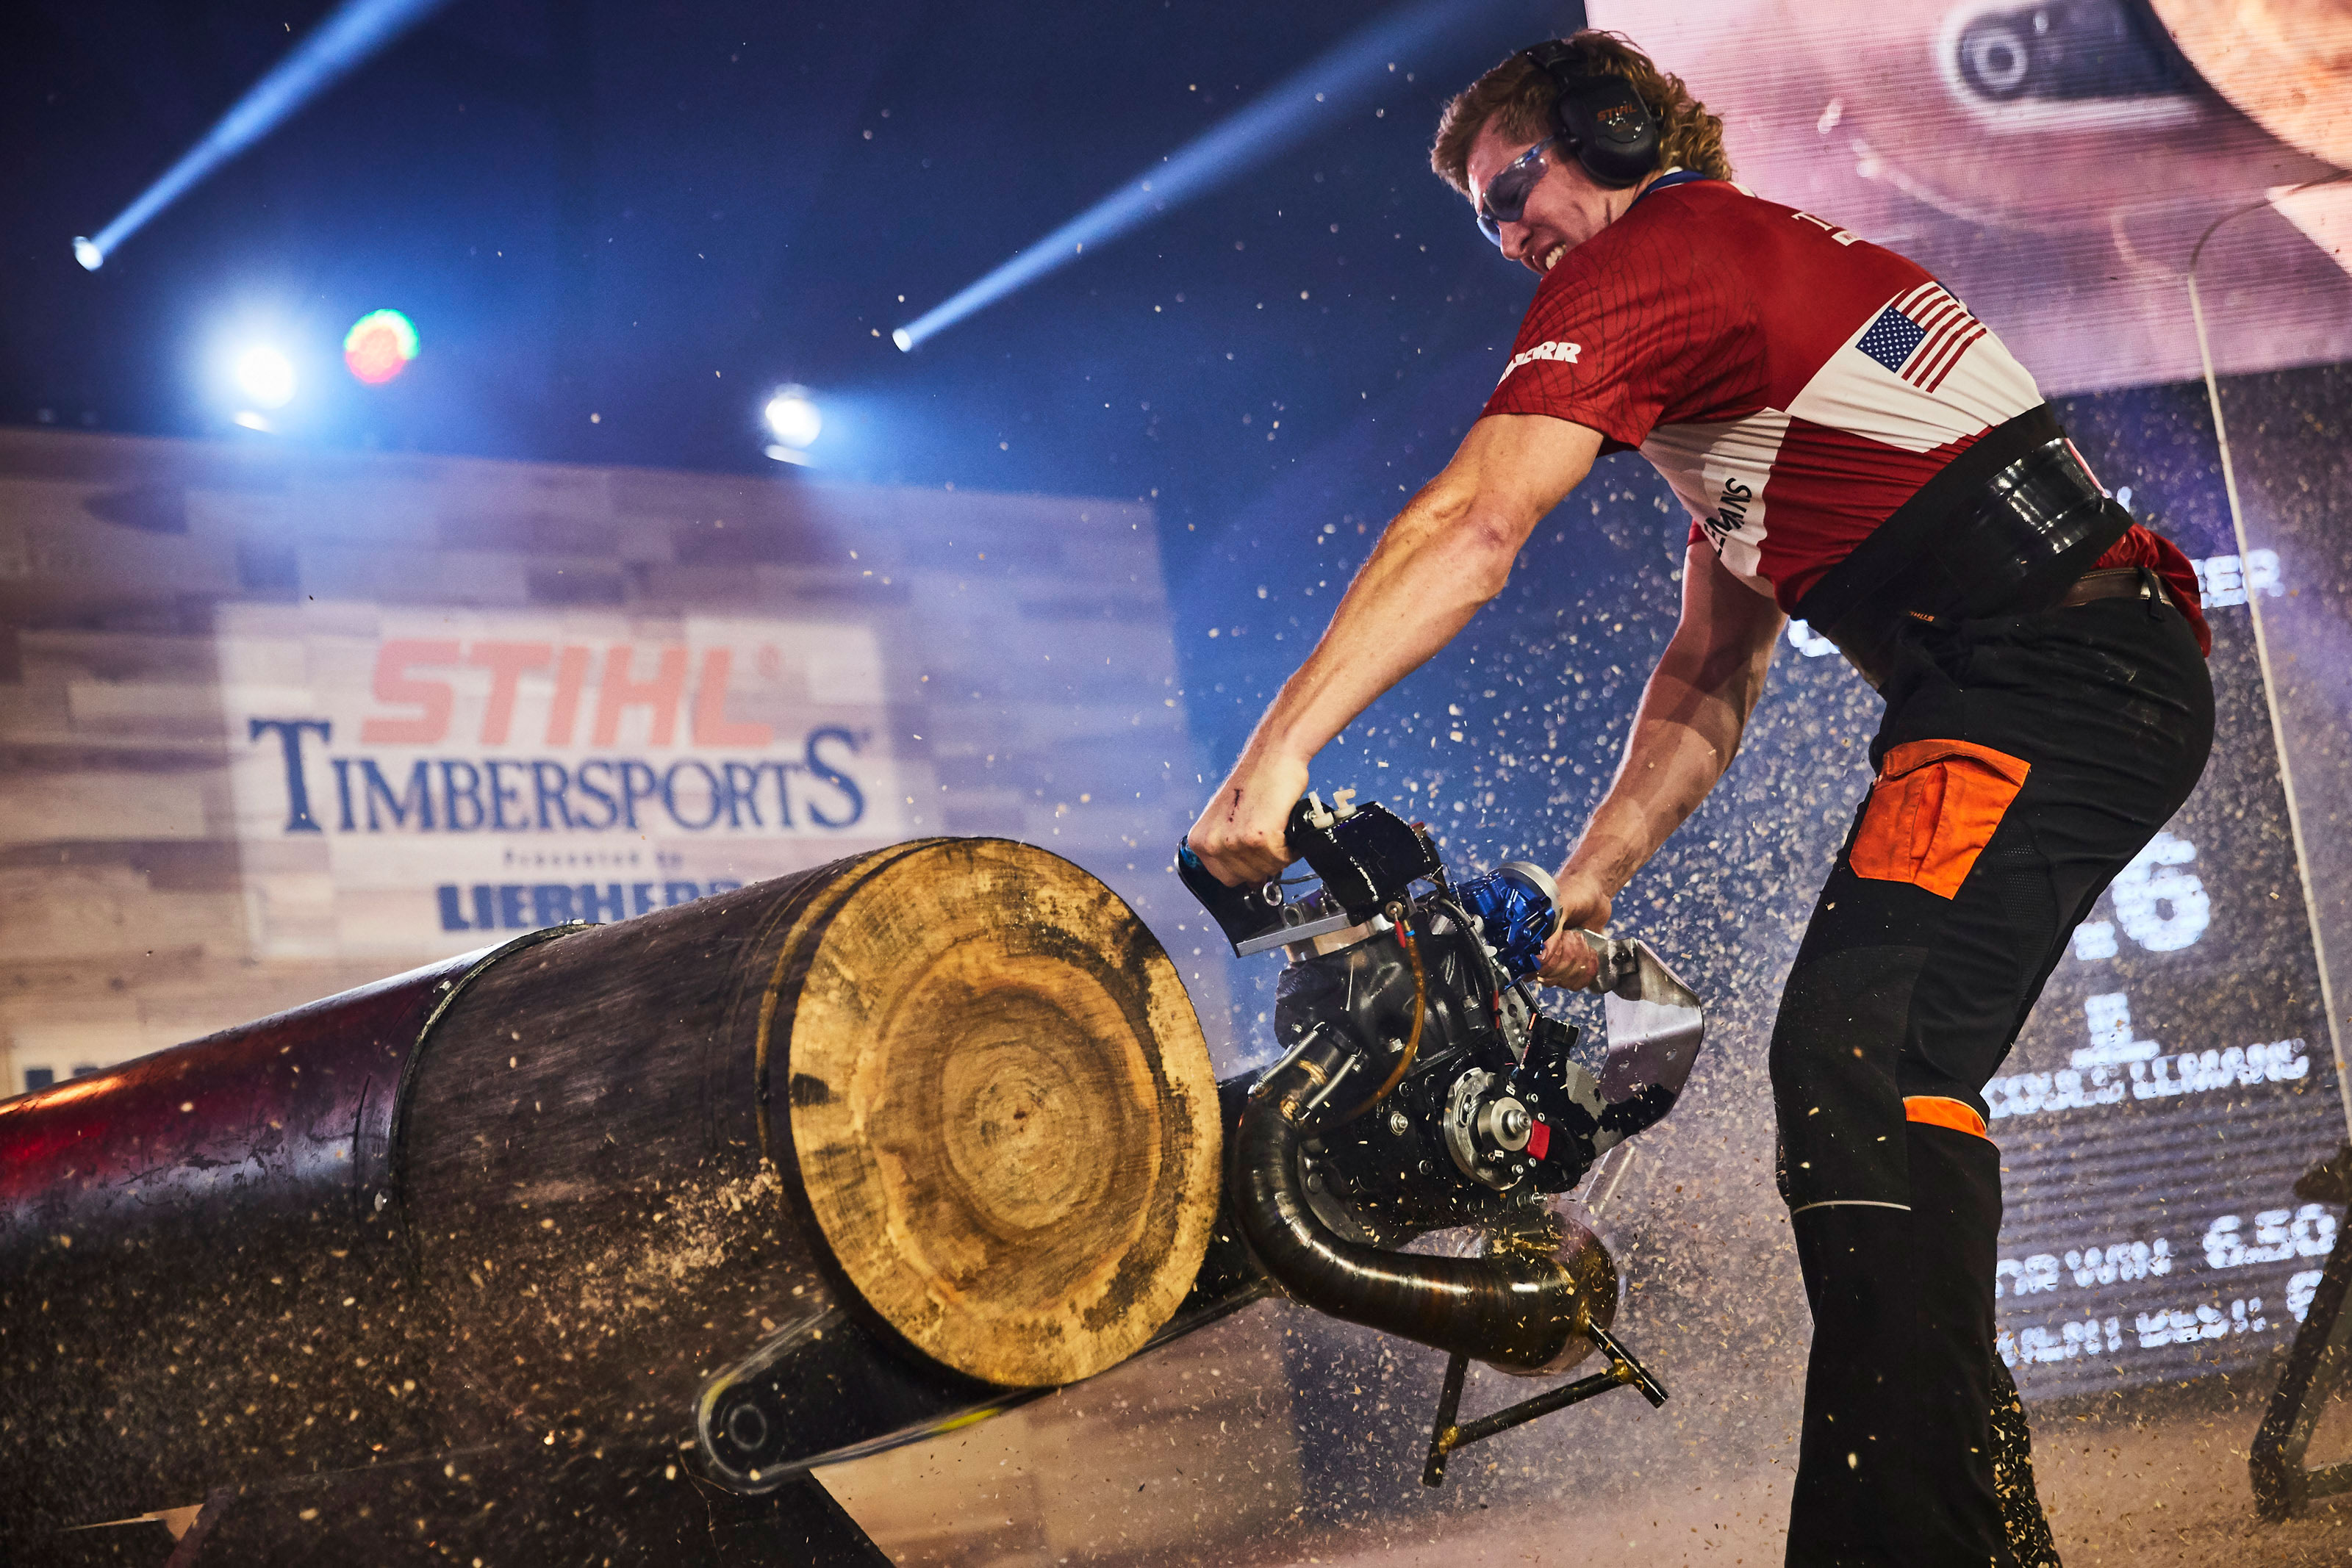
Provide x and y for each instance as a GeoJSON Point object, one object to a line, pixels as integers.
{"type": "Point", "coordinates": [2023, 760]}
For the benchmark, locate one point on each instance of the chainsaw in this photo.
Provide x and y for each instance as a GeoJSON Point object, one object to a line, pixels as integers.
{"type": "Point", "coordinates": [1422, 1086]}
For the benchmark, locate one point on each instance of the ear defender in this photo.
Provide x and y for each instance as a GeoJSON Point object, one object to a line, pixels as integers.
{"type": "Point", "coordinates": [1598, 116]}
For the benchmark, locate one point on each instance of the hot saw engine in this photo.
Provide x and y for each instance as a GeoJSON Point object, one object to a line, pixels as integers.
{"type": "Point", "coordinates": [1422, 1088]}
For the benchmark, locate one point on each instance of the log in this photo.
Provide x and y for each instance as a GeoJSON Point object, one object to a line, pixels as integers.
{"type": "Point", "coordinates": [780, 1175]}
{"type": "Point", "coordinates": [1002, 1111]}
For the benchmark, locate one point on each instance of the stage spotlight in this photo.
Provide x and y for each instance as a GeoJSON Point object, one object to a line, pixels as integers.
{"type": "Point", "coordinates": [379, 346]}
{"type": "Point", "coordinates": [1284, 115]}
{"type": "Point", "coordinates": [792, 418]}
{"type": "Point", "coordinates": [356, 31]}
{"type": "Point", "coordinates": [265, 377]}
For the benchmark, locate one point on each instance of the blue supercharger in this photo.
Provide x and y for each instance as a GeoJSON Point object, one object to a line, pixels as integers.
{"type": "Point", "coordinates": [1515, 906]}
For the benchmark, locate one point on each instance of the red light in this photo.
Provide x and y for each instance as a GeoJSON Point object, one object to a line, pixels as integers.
{"type": "Point", "coordinates": [379, 346]}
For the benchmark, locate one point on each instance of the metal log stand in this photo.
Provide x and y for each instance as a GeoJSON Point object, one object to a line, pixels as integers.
{"type": "Point", "coordinates": [2316, 1369]}
{"type": "Point", "coordinates": [1445, 1436]}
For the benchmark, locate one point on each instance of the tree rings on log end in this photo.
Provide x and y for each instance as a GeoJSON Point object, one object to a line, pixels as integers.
{"type": "Point", "coordinates": [1002, 1109]}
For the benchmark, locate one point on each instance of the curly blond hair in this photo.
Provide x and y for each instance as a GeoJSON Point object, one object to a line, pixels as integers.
{"type": "Point", "coordinates": [1517, 95]}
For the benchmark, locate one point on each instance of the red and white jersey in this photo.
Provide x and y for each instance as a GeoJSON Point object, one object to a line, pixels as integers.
{"type": "Point", "coordinates": [1793, 382]}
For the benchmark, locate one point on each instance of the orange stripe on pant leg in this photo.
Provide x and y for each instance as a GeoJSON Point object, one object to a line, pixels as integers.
{"type": "Point", "coordinates": [1937, 1111]}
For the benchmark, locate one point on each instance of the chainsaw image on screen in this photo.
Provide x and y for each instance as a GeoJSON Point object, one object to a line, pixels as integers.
{"type": "Point", "coordinates": [1422, 1088]}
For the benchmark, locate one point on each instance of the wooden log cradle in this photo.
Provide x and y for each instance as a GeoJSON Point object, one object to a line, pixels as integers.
{"type": "Point", "coordinates": [788, 1173]}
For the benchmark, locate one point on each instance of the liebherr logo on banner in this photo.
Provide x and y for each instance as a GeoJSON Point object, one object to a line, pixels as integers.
{"type": "Point", "coordinates": [1564, 353]}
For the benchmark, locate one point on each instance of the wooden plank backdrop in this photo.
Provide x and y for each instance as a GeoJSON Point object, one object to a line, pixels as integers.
{"type": "Point", "coordinates": [984, 664]}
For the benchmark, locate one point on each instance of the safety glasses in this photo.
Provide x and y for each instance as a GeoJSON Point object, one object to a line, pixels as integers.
{"type": "Point", "coordinates": [1505, 200]}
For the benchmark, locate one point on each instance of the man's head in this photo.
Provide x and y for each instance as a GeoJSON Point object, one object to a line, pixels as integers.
{"type": "Point", "coordinates": [1505, 120]}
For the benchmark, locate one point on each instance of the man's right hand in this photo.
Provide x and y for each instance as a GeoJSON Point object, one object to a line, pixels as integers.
{"type": "Point", "coordinates": [1568, 960]}
{"type": "Point", "coordinates": [1239, 833]}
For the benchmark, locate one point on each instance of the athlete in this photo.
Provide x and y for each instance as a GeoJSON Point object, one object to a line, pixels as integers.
{"type": "Point", "coordinates": [1854, 448]}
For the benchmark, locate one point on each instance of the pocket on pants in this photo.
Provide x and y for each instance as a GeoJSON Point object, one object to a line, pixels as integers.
{"type": "Point", "coordinates": [1933, 810]}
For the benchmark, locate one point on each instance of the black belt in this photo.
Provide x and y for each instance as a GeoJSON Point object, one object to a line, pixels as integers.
{"type": "Point", "coordinates": [2116, 583]}
{"type": "Point", "coordinates": [2004, 528]}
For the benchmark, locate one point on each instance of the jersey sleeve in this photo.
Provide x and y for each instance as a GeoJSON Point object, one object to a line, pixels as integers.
{"type": "Point", "coordinates": [1622, 331]}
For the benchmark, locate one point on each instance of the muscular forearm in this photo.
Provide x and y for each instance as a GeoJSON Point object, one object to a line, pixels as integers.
{"type": "Point", "coordinates": [1446, 554]}
{"type": "Point", "coordinates": [1684, 736]}
{"type": "Point", "coordinates": [1435, 567]}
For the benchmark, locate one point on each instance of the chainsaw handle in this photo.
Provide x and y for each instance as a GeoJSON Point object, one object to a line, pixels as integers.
{"type": "Point", "coordinates": [1621, 973]}
{"type": "Point", "coordinates": [1364, 855]}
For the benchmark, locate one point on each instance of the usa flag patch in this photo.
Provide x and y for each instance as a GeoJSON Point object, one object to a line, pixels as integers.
{"type": "Point", "coordinates": [1922, 335]}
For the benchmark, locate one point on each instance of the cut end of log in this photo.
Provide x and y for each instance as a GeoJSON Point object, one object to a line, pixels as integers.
{"type": "Point", "coordinates": [1002, 1109]}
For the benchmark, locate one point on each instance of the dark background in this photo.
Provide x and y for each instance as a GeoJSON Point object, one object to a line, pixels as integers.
{"type": "Point", "coordinates": [652, 214]}
{"type": "Point", "coordinates": [617, 228]}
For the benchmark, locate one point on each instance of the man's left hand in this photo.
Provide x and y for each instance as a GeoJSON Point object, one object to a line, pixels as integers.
{"type": "Point", "coordinates": [1239, 835]}
{"type": "Point", "coordinates": [1569, 961]}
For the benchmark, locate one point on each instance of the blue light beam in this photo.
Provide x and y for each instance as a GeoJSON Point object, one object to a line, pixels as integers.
{"type": "Point", "coordinates": [344, 40]}
{"type": "Point", "coordinates": [1279, 119]}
